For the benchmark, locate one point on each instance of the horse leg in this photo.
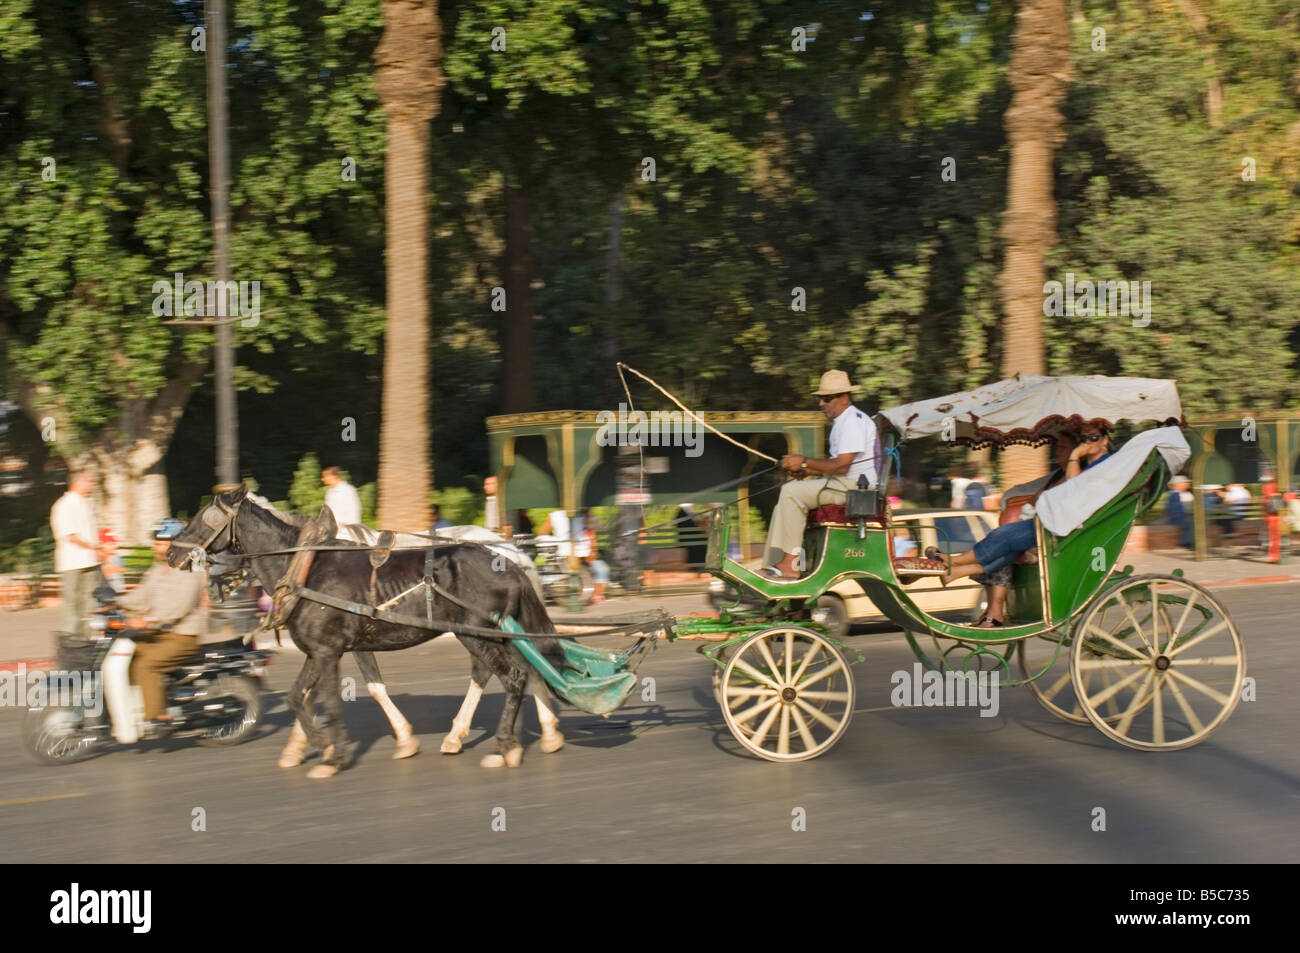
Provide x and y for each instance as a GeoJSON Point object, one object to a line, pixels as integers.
{"type": "Point", "coordinates": [511, 751]}
{"type": "Point", "coordinates": [332, 701]}
{"type": "Point", "coordinates": [406, 743]}
{"type": "Point", "coordinates": [303, 707]}
{"type": "Point", "coordinates": [552, 740]}
{"type": "Point", "coordinates": [479, 674]}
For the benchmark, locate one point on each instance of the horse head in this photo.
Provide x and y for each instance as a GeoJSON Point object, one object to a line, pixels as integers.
{"type": "Point", "coordinates": [211, 531]}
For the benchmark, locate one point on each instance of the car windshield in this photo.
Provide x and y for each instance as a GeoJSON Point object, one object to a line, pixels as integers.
{"type": "Point", "coordinates": [955, 534]}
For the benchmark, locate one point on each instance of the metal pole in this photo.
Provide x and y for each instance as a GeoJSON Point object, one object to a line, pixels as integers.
{"type": "Point", "coordinates": [227, 469]}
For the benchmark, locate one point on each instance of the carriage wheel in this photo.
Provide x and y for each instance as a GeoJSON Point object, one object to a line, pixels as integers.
{"type": "Point", "coordinates": [1174, 656]}
{"type": "Point", "coordinates": [1054, 688]}
{"type": "Point", "coordinates": [787, 694]}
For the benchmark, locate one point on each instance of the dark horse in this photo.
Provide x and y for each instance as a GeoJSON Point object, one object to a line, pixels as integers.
{"type": "Point", "coordinates": [232, 522]}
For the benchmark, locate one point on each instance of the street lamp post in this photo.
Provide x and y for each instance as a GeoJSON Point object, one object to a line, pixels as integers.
{"type": "Point", "coordinates": [227, 468]}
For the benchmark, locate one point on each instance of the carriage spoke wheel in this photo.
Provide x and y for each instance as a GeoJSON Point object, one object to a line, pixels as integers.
{"type": "Point", "coordinates": [1173, 658]}
{"type": "Point", "coordinates": [787, 694]}
{"type": "Point", "coordinates": [1054, 688]}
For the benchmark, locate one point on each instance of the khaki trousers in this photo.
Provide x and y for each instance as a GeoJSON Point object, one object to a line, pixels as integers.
{"type": "Point", "coordinates": [77, 586]}
{"type": "Point", "coordinates": [153, 659]}
{"type": "Point", "coordinates": [791, 513]}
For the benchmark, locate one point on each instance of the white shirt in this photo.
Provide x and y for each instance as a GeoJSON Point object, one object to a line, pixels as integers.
{"type": "Point", "coordinates": [854, 432]}
{"type": "Point", "coordinates": [959, 485]}
{"type": "Point", "coordinates": [560, 531]}
{"type": "Point", "coordinates": [73, 514]}
{"type": "Point", "coordinates": [343, 500]}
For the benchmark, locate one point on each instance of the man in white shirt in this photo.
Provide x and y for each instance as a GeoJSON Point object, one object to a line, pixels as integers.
{"type": "Point", "coordinates": [76, 553]}
{"type": "Point", "coordinates": [341, 497]}
{"type": "Point", "coordinates": [852, 445]}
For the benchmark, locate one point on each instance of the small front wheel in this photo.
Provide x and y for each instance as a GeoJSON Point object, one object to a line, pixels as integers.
{"type": "Point", "coordinates": [787, 694]}
{"type": "Point", "coordinates": [57, 735]}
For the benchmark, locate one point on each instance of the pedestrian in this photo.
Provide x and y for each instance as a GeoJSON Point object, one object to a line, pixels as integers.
{"type": "Point", "coordinates": [958, 482]}
{"type": "Point", "coordinates": [110, 562]}
{"type": "Point", "coordinates": [1178, 509]}
{"type": "Point", "coordinates": [439, 521]}
{"type": "Point", "coordinates": [1272, 515]}
{"type": "Point", "coordinates": [341, 497]}
{"type": "Point", "coordinates": [976, 490]}
{"type": "Point", "coordinates": [76, 551]}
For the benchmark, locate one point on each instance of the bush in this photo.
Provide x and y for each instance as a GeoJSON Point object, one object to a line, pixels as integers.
{"type": "Point", "coordinates": [462, 506]}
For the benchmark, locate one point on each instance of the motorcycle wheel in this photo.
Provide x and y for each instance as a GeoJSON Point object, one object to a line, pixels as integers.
{"type": "Point", "coordinates": [55, 736]}
{"type": "Point", "coordinates": [239, 727]}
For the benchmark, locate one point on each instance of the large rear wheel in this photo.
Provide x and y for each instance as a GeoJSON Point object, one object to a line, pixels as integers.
{"type": "Point", "coordinates": [787, 694]}
{"type": "Point", "coordinates": [1173, 659]}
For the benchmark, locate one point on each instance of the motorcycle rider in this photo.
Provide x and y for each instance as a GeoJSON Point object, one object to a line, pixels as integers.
{"type": "Point", "coordinates": [168, 605]}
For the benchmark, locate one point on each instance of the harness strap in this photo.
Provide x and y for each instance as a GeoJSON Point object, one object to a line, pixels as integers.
{"type": "Point", "coordinates": [658, 623]}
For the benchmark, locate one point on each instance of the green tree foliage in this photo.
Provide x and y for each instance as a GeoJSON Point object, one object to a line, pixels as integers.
{"type": "Point", "coordinates": [1153, 191]}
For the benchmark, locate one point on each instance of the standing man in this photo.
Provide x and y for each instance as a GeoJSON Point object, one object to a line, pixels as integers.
{"type": "Point", "coordinates": [76, 550]}
{"type": "Point", "coordinates": [341, 497]}
{"type": "Point", "coordinates": [852, 454]}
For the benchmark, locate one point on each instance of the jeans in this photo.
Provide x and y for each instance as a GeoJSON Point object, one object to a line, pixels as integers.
{"type": "Point", "coordinates": [1004, 545]}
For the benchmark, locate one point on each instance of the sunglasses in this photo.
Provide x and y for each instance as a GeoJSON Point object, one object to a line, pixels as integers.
{"type": "Point", "coordinates": [827, 400]}
{"type": "Point", "coordinates": [1093, 437]}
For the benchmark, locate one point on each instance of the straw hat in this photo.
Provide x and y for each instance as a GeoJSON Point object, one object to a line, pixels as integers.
{"type": "Point", "coordinates": [834, 382]}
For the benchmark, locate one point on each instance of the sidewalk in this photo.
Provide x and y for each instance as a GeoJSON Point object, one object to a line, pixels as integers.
{"type": "Point", "coordinates": [27, 635]}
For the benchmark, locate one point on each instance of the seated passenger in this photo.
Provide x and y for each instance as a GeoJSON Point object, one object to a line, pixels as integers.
{"type": "Point", "coordinates": [1003, 546]}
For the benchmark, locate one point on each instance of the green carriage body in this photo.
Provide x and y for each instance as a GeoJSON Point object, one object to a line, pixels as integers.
{"type": "Point", "coordinates": [1066, 602]}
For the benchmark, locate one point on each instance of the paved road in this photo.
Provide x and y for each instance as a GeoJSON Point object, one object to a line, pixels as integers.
{"type": "Point", "coordinates": [664, 781]}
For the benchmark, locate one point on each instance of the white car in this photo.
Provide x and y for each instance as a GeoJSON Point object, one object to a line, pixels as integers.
{"type": "Point", "coordinates": [952, 531]}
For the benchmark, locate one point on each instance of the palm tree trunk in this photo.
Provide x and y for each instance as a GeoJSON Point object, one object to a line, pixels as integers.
{"type": "Point", "coordinates": [1040, 75]}
{"type": "Point", "coordinates": [408, 80]}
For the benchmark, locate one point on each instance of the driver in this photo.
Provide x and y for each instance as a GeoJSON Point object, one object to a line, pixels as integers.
{"type": "Point", "coordinates": [852, 444]}
{"type": "Point", "coordinates": [167, 604]}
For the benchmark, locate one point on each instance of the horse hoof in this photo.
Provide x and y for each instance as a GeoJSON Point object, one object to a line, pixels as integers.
{"type": "Point", "coordinates": [514, 757]}
{"type": "Point", "coordinates": [323, 771]}
{"type": "Point", "coordinates": [552, 743]}
{"type": "Point", "coordinates": [492, 761]}
{"type": "Point", "coordinates": [405, 748]}
{"type": "Point", "coordinates": [450, 745]}
{"type": "Point", "coordinates": [291, 759]}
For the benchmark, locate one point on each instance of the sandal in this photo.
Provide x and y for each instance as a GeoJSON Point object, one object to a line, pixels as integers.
{"type": "Point", "coordinates": [771, 572]}
{"type": "Point", "coordinates": [992, 623]}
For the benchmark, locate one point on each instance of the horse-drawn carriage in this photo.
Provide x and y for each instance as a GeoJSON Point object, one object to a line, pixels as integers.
{"type": "Point", "coordinates": [1153, 661]}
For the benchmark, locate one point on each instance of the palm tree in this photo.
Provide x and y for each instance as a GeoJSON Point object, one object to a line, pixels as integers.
{"type": "Point", "coordinates": [1039, 74]}
{"type": "Point", "coordinates": [409, 80]}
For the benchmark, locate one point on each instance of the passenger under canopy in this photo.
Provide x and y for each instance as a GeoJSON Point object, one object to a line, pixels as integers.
{"type": "Point", "coordinates": [1028, 409]}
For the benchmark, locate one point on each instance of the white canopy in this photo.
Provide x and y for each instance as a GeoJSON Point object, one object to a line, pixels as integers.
{"type": "Point", "coordinates": [1030, 409]}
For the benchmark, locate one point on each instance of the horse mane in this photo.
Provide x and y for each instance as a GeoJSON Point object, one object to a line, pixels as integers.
{"type": "Point", "coordinates": [289, 519]}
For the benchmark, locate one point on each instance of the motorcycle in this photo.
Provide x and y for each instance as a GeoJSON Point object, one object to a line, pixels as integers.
{"type": "Point", "coordinates": [216, 693]}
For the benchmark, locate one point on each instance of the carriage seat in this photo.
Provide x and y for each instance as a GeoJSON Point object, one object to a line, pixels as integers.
{"type": "Point", "coordinates": [912, 564]}
{"type": "Point", "coordinates": [834, 513]}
